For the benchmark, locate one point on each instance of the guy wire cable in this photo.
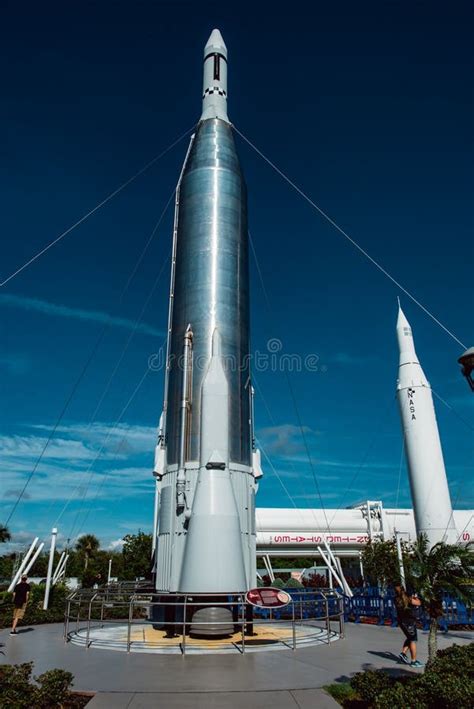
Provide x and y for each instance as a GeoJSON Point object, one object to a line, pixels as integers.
{"type": "Point", "coordinates": [95, 209]}
{"type": "Point", "coordinates": [84, 369]}
{"type": "Point", "coordinates": [346, 236]}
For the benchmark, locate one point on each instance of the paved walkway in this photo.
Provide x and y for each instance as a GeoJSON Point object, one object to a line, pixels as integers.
{"type": "Point", "coordinates": [280, 679]}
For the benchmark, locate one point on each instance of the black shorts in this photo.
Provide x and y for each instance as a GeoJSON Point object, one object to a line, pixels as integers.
{"type": "Point", "coordinates": [410, 631]}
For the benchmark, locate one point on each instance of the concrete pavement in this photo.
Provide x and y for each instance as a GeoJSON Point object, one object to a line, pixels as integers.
{"type": "Point", "coordinates": [278, 679]}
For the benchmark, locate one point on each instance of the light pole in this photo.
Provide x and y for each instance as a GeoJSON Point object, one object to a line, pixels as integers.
{"type": "Point", "coordinates": [49, 576]}
{"type": "Point", "coordinates": [466, 360]}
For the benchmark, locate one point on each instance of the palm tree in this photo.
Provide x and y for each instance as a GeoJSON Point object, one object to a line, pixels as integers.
{"type": "Point", "coordinates": [443, 568]}
{"type": "Point", "coordinates": [5, 535]}
{"type": "Point", "coordinates": [87, 545]}
{"type": "Point", "coordinates": [380, 562]}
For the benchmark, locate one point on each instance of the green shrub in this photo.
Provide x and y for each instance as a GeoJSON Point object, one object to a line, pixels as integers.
{"type": "Point", "coordinates": [445, 690]}
{"type": "Point", "coordinates": [429, 691]}
{"type": "Point", "coordinates": [293, 583]}
{"type": "Point", "coordinates": [399, 695]}
{"type": "Point", "coordinates": [34, 610]}
{"type": "Point", "coordinates": [447, 683]}
{"type": "Point", "coordinates": [370, 684]}
{"type": "Point", "coordinates": [16, 692]}
{"type": "Point", "coordinates": [456, 659]}
{"type": "Point", "coordinates": [342, 692]}
{"type": "Point", "coordinates": [53, 688]}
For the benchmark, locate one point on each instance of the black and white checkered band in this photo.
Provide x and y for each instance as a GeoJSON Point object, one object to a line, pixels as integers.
{"type": "Point", "coordinates": [214, 90]}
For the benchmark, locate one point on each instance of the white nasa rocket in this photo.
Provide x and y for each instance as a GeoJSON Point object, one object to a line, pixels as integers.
{"type": "Point", "coordinates": [428, 482]}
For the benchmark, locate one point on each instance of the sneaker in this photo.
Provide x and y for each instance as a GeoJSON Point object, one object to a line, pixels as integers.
{"type": "Point", "coordinates": [417, 663]}
{"type": "Point", "coordinates": [13, 632]}
{"type": "Point", "coordinates": [404, 658]}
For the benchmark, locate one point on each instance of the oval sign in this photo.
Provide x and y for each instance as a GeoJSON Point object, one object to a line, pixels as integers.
{"type": "Point", "coordinates": [267, 597]}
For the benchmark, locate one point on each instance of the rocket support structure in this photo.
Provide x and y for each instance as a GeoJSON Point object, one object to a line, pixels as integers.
{"type": "Point", "coordinates": [428, 482]}
{"type": "Point", "coordinates": [205, 464]}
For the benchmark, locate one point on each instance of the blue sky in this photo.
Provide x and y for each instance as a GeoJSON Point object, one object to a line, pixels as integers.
{"type": "Point", "coordinates": [367, 107]}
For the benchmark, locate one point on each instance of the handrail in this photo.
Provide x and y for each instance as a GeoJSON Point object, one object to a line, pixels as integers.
{"type": "Point", "coordinates": [131, 605]}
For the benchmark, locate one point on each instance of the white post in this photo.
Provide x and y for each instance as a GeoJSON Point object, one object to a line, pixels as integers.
{"type": "Point", "coordinates": [63, 570]}
{"type": "Point", "coordinates": [345, 586]}
{"type": "Point", "coordinates": [268, 566]}
{"type": "Point", "coordinates": [109, 575]}
{"type": "Point", "coordinates": [332, 571]}
{"type": "Point", "coordinates": [400, 558]}
{"type": "Point", "coordinates": [369, 520]}
{"type": "Point", "coordinates": [361, 566]}
{"type": "Point", "coordinates": [56, 571]}
{"type": "Point", "coordinates": [60, 570]}
{"type": "Point", "coordinates": [54, 533]}
{"type": "Point", "coordinates": [23, 565]}
{"type": "Point", "coordinates": [33, 558]}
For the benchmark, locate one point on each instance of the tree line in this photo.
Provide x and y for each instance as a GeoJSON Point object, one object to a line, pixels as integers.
{"type": "Point", "coordinates": [90, 564]}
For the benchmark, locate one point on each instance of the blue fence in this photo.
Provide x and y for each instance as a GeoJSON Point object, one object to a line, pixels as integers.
{"type": "Point", "coordinates": [369, 603]}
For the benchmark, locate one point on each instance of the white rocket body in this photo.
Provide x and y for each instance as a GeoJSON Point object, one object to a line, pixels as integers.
{"type": "Point", "coordinates": [428, 482]}
{"type": "Point", "coordinates": [214, 523]}
{"type": "Point", "coordinates": [206, 464]}
{"type": "Point", "coordinates": [214, 88]}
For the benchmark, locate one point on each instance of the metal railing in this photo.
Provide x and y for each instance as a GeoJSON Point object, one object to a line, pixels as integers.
{"type": "Point", "coordinates": [308, 610]}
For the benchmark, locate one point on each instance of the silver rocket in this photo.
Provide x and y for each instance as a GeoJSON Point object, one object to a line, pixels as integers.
{"type": "Point", "coordinates": [206, 466]}
{"type": "Point", "coordinates": [428, 482]}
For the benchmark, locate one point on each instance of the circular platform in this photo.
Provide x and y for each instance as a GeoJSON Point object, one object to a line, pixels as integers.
{"type": "Point", "coordinates": [144, 638]}
{"type": "Point", "coordinates": [135, 619]}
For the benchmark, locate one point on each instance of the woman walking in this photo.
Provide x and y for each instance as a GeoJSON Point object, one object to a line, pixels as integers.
{"type": "Point", "coordinates": [407, 612]}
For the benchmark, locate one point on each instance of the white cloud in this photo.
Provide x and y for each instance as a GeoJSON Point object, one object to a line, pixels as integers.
{"type": "Point", "coordinates": [53, 482]}
{"type": "Point", "coordinates": [64, 311]}
{"type": "Point", "coordinates": [116, 545]}
{"type": "Point", "coordinates": [15, 363]}
{"type": "Point", "coordinates": [350, 465]}
{"type": "Point", "coordinates": [75, 468]}
{"type": "Point", "coordinates": [31, 447]}
{"type": "Point", "coordinates": [286, 439]}
{"type": "Point", "coordinates": [138, 439]}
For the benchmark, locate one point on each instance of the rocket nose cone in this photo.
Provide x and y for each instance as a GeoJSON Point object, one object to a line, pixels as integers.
{"type": "Point", "coordinates": [401, 320]}
{"type": "Point", "coordinates": [215, 43]}
{"type": "Point", "coordinates": [406, 343]}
